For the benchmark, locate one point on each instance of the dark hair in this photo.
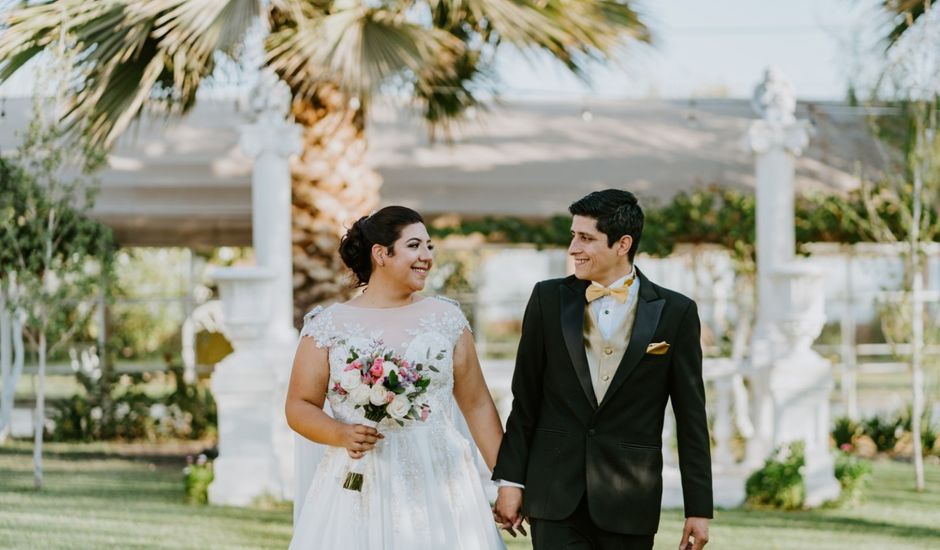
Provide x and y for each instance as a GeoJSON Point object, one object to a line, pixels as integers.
{"type": "Point", "coordinates": [617, 213]}
{"type": "Point", "coordinates": [382, 228]}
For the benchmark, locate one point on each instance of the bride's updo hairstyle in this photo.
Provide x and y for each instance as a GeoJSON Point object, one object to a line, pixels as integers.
{"type": "Point", "coordinates": [382, 228]}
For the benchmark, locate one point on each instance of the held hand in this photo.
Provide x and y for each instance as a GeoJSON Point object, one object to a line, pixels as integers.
{"type": "Point", "coordinates": [359, 438]}
{"type": "Point", "coordinates": [508, 510]}
{"type": "Point", "coordinates": [697, 530]}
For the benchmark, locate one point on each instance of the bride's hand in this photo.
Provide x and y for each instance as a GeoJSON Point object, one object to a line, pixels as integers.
{"type": "Point", "coordinates": [359, 438]}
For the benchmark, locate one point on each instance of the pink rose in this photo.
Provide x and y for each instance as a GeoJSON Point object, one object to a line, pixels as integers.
{"type": "Point", "coordinates": [355, 365]}
{"type": "Point", "coordinates": [424, 413]}
{"type": "Point", "coordinates": [377, 368]}
{"type": "Point", "coordinates": [847, 447]}
{"type": "Point", "coordinates": [389, 397]}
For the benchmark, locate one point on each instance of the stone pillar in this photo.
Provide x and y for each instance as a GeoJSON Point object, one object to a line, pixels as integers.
{"type": "Point", "coordinates": [791, 382]}
{"type": "Point", "coordinates": [255, 443]}
{"type": "Point", "coordinates": [243, 389]}
{"type": "Point", "coordinates": [775, 139]}
{"type": "Point", "coordinates": [271, 139]}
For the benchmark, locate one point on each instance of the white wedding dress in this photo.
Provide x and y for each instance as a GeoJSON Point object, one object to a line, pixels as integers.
{"type": "Point", "coordinates": [421, 486]}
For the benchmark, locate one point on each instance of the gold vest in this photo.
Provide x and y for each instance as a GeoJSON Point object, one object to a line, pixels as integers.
{"type": "Point", "coordinates": [604, 356]}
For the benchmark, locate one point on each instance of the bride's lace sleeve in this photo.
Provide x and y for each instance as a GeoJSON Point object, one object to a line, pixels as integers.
{"type": "Point", "coordinates": [318, 324]}
{"type": "Point", "coordinates": [452, 321]}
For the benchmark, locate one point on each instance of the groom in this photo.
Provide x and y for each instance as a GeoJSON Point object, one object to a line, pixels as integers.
{"type": "Point", "coordinates": [601, 353]}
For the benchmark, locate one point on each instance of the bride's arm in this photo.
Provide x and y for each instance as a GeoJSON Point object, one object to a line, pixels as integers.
{"type": "Point", "coordinates": [474, 399]}
{"type": "Point", "coordinates": [309, 379]}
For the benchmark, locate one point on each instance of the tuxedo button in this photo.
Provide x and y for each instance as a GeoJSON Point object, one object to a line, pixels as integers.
{"type": "Point", "coordinates": [608, 351]}
{"type": "Point", "coordinates": [591, 431]}
{"type": "Point", "coordinates": [605, 378]}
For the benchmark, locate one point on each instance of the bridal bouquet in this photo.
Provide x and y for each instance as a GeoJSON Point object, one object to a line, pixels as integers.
{"type": "Point", "coordinates": [384, 385]}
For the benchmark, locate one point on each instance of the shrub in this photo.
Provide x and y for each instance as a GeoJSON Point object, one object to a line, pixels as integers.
{"type": "Point", "coordinates": [854, 475]}
{"type": "Point", "coordinates": [928, 433]}
{"type": "Point", "coordinates": [883, 431]}
{"type": "Point", "coordinates": [122, 410]}
{"type": "Point", "coordinates": [779, 483]}
{"type": "Point", "coordinates": [197, 475]}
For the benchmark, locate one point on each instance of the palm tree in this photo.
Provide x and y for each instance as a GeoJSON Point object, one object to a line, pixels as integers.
{"type": "Point", "coordinates": [334, 54]}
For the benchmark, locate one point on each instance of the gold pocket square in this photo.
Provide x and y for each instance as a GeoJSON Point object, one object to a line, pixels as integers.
{"type": "Point", "coordinates": [659, 348]}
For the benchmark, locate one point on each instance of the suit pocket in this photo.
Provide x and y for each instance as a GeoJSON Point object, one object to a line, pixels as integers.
{"type": "Point", "coordinates": [639, 446]}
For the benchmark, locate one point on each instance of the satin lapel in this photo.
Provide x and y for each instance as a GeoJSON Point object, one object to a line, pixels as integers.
{"type": "Point", "coordinates": [649, 309]}
{"type": "Point", "coordinates": [572, 328]}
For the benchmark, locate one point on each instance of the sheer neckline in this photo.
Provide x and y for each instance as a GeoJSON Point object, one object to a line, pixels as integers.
{"type": "Point", "coordinates": [414, 303]}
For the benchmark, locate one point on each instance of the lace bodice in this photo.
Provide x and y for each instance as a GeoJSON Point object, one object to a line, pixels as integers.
{"type": "Point", "coordinates": [425, 331]}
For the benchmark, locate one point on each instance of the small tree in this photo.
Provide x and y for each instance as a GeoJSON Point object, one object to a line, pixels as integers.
{"type": "Point", "coordinates": [903, 207]}
{"type": "Point", "coordinates": [55, 257]}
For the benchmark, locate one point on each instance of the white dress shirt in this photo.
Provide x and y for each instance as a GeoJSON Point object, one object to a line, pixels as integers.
{"type": "Point", "coordinates": [607, 311]}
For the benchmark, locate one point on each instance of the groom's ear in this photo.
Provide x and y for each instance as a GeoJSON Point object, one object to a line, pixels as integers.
{"type": "Point", "coordinates": [623, 245]}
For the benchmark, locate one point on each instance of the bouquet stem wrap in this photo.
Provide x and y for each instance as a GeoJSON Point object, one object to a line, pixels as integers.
{"type": "Point", "coordinates": [354, 475]}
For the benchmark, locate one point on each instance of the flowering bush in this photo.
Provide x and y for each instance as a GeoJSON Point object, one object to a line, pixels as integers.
{"type": "Point", "coordinates": [115, 406]}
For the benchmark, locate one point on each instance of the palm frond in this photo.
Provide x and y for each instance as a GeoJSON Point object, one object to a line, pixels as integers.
{"type": "Point", "coordinates": [906, 12]}
{"type": "Point", "coordinates": [357, 48]}
{"type": "Point", "coordinates": [128, 53]}
{"type": "Point", "coordinates": [445, 96]}
{"type": "Point", "coordinates": [572, 31]}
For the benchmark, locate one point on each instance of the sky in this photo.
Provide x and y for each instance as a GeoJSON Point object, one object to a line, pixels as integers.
{"type": "Point", "coordinates": [720, 48]}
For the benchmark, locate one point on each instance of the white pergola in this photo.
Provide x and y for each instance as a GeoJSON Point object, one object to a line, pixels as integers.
{"type": "Point", "coordinates": [186, 183]}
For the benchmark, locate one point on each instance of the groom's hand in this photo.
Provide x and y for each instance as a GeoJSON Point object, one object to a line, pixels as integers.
{"type": "Point", "coordinates": [508, 509]}
{"type": "Point", "coordinates": [697, 530]}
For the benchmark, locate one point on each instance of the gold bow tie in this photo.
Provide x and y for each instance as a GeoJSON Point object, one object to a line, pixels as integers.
{"type": "Point", "coordinates": [594, 292]}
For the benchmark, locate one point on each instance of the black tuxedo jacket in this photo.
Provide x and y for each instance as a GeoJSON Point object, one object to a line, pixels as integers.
{"type": "Point", "coordinates": [561, 443]}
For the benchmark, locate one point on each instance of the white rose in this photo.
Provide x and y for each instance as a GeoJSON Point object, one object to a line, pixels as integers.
{"type": "Point", "coordinates": [378, 395]}
{"type": "Point", "coordinates": [360, 394]}
{"type": "Point", "coordinates": [390, 368]}
{"type": "Point", "coordinates": [399, 407]}
{"type": "Point", "coordinates": [350, 380]}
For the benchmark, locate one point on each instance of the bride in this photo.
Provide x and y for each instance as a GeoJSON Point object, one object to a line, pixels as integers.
{"type": "Point", "coordinates": [420, 487]}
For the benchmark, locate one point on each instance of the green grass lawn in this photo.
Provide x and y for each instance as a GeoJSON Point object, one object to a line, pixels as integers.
{"type": "Point", "coordinates": [99, 496]}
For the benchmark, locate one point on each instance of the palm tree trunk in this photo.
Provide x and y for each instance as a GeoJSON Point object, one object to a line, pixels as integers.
{"type": "Point", "coordinates": [332, 188]}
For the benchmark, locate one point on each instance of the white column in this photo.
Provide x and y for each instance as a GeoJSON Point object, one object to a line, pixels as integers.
{"type": "Point", "coordinates": [271, 139]}
{"type": "Point", "coordinates": [792, 382]}
{"type": "Point", "coordinates": [255, 443]}
{"type": "Point", "coordinates": [775, 139]}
